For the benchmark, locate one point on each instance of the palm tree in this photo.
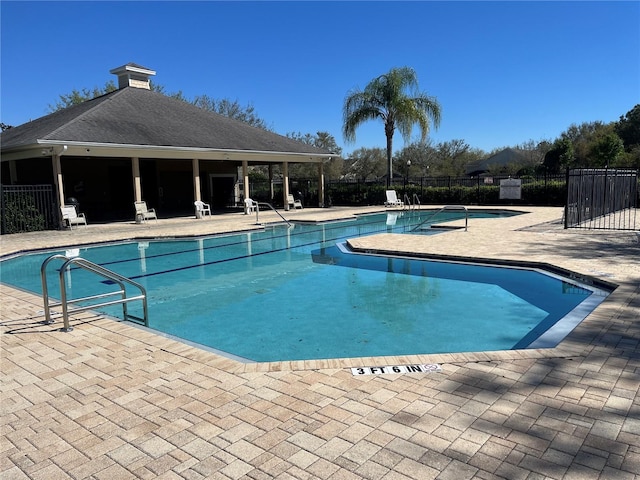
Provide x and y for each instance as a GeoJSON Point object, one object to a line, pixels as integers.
{"type": "Point", "coordinates": [393, 98]}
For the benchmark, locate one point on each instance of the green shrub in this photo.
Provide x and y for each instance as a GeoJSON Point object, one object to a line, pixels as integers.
{"type": "Point", "coordinates": [552, 192]}
{"type": "Point", "coordinates": [22, 215]}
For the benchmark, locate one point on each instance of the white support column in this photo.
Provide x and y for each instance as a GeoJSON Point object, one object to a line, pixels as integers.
{"type": "Point", "coordinates": [137, 184]}
{"type": "Point", "coordinates": [271, 191]}
{"type": "Point", "coordinates": [245, 178]}
{"type": "Point", "coordinates": [57, 177]}
{"type": "Point", "coordinates": [195, 166]}
{"type": "Point", "coordinates": [321, 185]}
{"type": "Point", "coordinates": [13, 172]}
{"type": "Point", "coordinates": [285, 184]}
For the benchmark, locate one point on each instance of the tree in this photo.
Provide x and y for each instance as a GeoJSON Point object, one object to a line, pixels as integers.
{"type": "Point", "coordinates": [333, 168]}
{"type": "Point", "coordinates": [453, 157]}
{"type": "Point", "coordinates": [366, 164]}
{"type": "Point", "coordinates": [444, 159]}
{"type": "Point", "coordinates": [423, 158]}
{"type": "Point", "coordinates": [77, 97]}
{"type": "Point", "coordinates": [328, 142]}
{"type": "Point", "coordinates": [231, 109]}
{"type": "Point", "coordinates": [628, 128]}
{"type": "Point", "coordinates": [393, 98]}
{"type": "Point", "coordinates": [559, 156]}
{"type": "Point", "coordinates": [324, 140]}
{"type": "Point", "coordinates": [606, 150]}
{"type": "Point", "coordinates": [581, 136]}
{"type": "Point", "coordinates": [534, 152]}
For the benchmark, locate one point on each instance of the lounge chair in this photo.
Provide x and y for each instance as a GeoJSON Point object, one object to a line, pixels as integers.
{"type": "Point", "coordinates": [202, 209]}
{"type": "Point", "coordinates": [392, 199]}
{"type": "Point", "coordinates": [143, 213]}
{"type": "Point", "coordinates": [72, 217]}
{"type": "Point", "coordinates": [249, 205]}
{"type": "Point", "coordinates": [293, 202]}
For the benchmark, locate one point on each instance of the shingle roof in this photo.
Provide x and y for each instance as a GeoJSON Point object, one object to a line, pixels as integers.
{"type": "Point", "coordinates": [502, 158]}
{"type": "Point", "coordinates": [133, 116]}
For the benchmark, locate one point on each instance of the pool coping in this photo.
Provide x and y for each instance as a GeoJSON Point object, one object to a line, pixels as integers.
{"type": "Point", "coordinates": [547, 267]}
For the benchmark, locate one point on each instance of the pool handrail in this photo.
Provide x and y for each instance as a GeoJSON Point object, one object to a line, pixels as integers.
{"type": "Point", "coordinates": [99, 270]}
{"type": "Point", "coordinates": [272, 208]}
{"type": "Point", "coordinates": [446, 207]}
{"type": "Point", "coordinates": [406, 202]}
{"type": "Point", "coordinates": [416, 201]}
{"type": "Point", "coordinates": [411, 203]}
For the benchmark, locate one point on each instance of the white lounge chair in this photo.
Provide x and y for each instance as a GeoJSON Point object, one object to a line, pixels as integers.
{"type": "Point", "coordinates": [143, 213]}
{"type": "Point", "coordinates": [293, 202]}
{"type": "Point", "coordinates": [392, 199]}
{"type": "Point", "coordinates": [72, 217]}
{"type": "Point", "coordinates": [249, 205]}
{"type": "Point", "coordinates": [202, 209]}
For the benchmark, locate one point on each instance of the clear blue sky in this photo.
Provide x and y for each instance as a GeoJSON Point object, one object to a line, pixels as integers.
{"type": "Point", "coordinates": [503, 72]}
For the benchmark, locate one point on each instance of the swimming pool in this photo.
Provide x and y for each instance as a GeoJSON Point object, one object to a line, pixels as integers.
{"type": "Point", "coordinates": [299, 293]}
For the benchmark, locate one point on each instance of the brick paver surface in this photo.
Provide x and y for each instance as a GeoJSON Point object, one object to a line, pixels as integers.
{"type": "Point", "coordinates": [111, 401]}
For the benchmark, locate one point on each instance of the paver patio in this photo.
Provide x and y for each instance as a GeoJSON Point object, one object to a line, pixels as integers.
{"type": "Point", "coordinates": [112, 401]}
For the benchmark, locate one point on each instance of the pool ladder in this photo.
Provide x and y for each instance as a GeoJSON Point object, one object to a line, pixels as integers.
{"type": "Point", "coordinates": [99, 270]}
{"type": "Point", "coordinates": [446, 207]}
{"type": "Point", "coordinates": [411, 203]}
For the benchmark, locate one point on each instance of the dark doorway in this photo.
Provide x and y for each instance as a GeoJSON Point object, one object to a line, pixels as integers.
{"type": "Point", "coordinates": [222, 192]}
{"type": "Point", "coordinates": [149, 180]}
{"type": "Point", "coordinates": [176, 193]}
{"type": "Point", "coordinates": [120, 194]}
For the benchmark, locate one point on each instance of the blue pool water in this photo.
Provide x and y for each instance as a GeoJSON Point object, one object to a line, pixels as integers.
{"type": "Point", "coordinates": [298, 293]}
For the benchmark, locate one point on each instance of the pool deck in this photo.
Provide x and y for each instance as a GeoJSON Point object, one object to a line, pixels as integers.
{"type": "Point", "coordinates": [109, 400]}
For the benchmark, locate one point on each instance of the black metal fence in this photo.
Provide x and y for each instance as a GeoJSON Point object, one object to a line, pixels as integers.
{"type": "Point", "coordinates": [548, 190]}
{"type": "Point", "coordinates": [28, 208]}
{"type": "Point", "coordinates": [602, 198]}
{"type": "Point", "coordinates": [593, 198]}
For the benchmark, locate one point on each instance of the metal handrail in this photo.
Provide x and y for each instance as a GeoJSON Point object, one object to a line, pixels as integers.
{"type": "Point", "coordinates": [416, 199]}
{"type": "Point", "coordinates": [411, 203]}
{"type": "Point", "coordinates": [447, 207]}
{"type": "Point", "coordinates": [272, 208]}
{"type": "Point", "coordinates": [99, 270]}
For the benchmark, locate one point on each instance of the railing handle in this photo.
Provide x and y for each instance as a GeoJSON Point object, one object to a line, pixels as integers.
{"type": "Point", "coordinates": [272, 208]}
{"type": "Point", "coordinates": [45, 289]}
{"type": "Point", "coordinates": [98, 270]}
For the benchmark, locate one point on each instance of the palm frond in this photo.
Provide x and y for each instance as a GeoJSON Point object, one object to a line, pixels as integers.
{"type": "Point", "coordinates": [393, 98]}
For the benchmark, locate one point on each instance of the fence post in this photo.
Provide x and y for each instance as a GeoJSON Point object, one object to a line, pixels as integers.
{"type": "Point", "coordinates": [566, 200]}
{"type": "Point", "coordinates": [3, 225]}
{"type": "Point", "coordinates": [546, 187]}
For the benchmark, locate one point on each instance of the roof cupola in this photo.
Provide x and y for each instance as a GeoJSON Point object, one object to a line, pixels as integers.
{"type": "Point", "coordinates": [133, 75]}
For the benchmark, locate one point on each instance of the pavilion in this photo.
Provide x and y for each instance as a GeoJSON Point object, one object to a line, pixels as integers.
{"type": "Point", "coordinates": [136, 144]}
